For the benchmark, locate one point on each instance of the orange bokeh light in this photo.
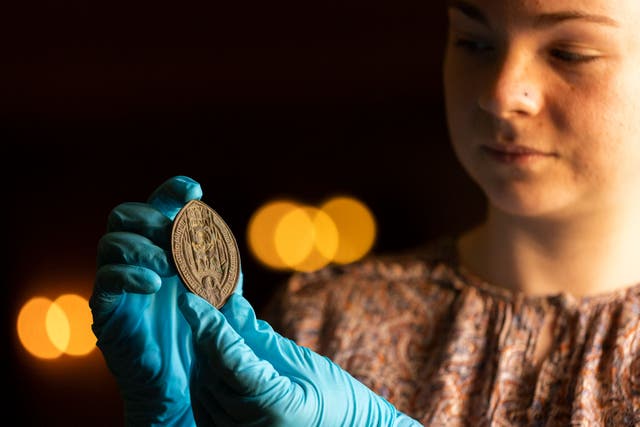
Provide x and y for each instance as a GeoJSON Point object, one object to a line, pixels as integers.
{"type": "Point", "coordinates": [286, 235]}
{"type": "Point", "coordinates": [47, 329]}
{"type": "Point", "coordinates": [356, 227]}
{"type": "Point", "coordinates": [81, 338]}
{"type": "Point", "coordinates": [261, 232]}
{"type": "Point", "coordinates": [32, 331]}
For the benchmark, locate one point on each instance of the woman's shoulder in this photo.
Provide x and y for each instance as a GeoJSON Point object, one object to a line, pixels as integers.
{"type": "Point", "coordinates": [436, 260]}
{"type": "Point", "coordinates": [406, 283]}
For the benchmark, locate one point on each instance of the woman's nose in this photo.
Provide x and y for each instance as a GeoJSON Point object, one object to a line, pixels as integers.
{"type": "Point", "coordinates": [512, 88]}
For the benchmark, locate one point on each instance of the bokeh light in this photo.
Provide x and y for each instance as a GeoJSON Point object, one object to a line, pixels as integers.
{"type": "Point", "coordinates": [286, 235]}
{"type": "Point", "coordinates": [47, 329]}
{"type": "Point", "coordinates": [32, 331]}
{"type": "Point", "coordinates": [81, 338]}
{"type": "Point", "coordinates": [356, 227]}
{"type": "Point", "coordinates": [57, 327]}
{"type": "Point", "coordinates": [261, 232]}
{"type": "Point", "coordinates": [324, 240]}
{"type": "Point", "coordinates": [294, 236]}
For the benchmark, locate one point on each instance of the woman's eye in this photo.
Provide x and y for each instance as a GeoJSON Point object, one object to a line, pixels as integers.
{"type": "Point", "coordinates": [472, 45]}
{"type": "Point", "coordinates": [572, 57]}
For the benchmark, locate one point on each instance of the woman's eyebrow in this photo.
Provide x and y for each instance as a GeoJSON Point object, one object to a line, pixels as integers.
{"type": "Point", "coordinates": [469, 10]}
{"type": "Point", "coordinates": [549, 19]}
{"type": "Point", "coordinates": [542, 20]}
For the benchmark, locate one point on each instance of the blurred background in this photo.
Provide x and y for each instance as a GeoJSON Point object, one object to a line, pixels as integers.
{"type": "Point", "coordinates": [258, 101]}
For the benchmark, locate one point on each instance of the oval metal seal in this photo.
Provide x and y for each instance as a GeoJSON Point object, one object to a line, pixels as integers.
{"type": "Point", "coordinates": [205, 253]}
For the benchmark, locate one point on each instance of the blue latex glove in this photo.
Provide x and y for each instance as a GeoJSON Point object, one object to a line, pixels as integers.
{"type": "Point", "coordinates": [146, 343]}
{"type": "Point", "coordinates": [244, 374]}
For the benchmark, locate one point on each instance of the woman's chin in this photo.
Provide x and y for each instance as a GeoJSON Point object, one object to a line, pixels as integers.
{"type": "Point", "coordinates": [530, 205]}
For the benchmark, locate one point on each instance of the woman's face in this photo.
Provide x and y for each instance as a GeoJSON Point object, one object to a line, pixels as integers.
{"type": "Point", "coordinates": [543, 101]}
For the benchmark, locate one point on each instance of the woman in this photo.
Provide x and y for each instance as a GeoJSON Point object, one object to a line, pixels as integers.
{"type": "Point", "coordinates": [531, 318]}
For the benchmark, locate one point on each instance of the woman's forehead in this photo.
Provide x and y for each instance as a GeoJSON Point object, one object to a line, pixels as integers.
{"type": "Point", "coordinates": [593, 6]}
{"type": "Point", "coordinates": [615, 11]}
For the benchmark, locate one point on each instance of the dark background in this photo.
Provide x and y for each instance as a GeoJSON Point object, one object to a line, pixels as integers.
{"type": "Point", "coordinates": [102, 101]}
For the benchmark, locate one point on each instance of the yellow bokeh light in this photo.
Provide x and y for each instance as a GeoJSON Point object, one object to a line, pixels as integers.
{"type": "Point", "coordinates": [285, 235]}
{"type": "Point", "coordinates": [32, 331]}
{"type": "Point", "coordinates": [295, 237]}
{"type": "Point", "coordinates": [326, 233]}
{"type": "Point", "coordinates": [81, 339]}
{"type": "Point", "coordinates": [356, 227]}
{"type": "Point", "coordinates": [325, 241]}
{"type": "Point", "coordinates": [57, 327]}
{"type": "Point", "coordinates": [261, 232]}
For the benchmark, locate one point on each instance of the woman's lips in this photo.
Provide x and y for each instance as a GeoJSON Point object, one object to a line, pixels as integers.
{"type": "Point", "coordinates": [515, 154]}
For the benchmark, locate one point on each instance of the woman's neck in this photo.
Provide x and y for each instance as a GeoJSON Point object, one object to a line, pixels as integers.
{"type": "Point", "coordinates": [582, 256]}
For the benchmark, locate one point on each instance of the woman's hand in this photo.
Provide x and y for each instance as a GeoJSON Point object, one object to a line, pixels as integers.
{"type": "Point", "coordinates": [145, 341]}
{"type": "Point", "coordinates": [244, 373]}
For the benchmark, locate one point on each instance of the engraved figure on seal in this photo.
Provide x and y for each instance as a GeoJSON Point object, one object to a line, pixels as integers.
{"type": "Point", "coordinates": [207, 248]}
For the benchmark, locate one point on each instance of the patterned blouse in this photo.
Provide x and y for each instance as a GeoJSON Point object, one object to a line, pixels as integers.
{"type": "Point", "coordinates": [448, 349]}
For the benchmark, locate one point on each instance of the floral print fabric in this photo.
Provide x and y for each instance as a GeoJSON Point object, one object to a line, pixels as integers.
{"type": "Point", "coordinates": [448, 349]}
